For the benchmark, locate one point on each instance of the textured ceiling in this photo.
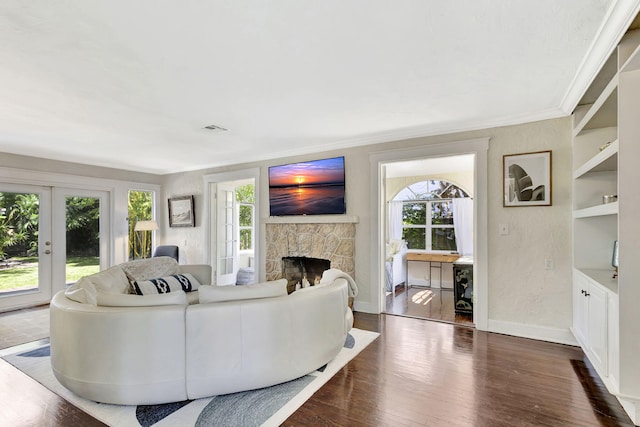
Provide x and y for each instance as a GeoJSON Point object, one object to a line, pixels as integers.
{"type": "Point", "coordinates": [132, 84]}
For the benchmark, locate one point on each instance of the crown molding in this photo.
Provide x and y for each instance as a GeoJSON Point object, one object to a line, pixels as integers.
{"type": "Point", "coordinates": [614, 26]}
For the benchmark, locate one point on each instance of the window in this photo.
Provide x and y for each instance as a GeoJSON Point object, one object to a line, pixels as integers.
{"type": "Point", "coordinates": [140, 209]}
{"type": "Point", "coordinates": [427, 215]}
{"type": "Point", "coordinates": [245, 198]}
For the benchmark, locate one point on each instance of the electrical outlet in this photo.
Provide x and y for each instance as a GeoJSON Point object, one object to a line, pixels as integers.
{"type": "Point", "coordinates": [548, 264]}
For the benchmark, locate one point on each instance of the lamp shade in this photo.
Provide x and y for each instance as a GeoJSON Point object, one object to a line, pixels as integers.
{"type": "Point", "coordinates": [146, 226]}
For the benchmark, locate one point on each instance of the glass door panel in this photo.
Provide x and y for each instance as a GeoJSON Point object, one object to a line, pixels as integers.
{"type": "Point", "coordinates": [81, 234]}
{"type": "Point", "coordinates": [227, 240]}
{"type": "Point", "coordinates": [25, 245]}
{"type": "Point", "coordinates": [83, 237]}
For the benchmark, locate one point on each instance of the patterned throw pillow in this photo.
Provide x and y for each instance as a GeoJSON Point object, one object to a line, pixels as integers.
{"type": "Point", "coordinates": [162, 285]}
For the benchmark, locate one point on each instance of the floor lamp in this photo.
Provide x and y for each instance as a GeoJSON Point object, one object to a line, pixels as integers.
{"type": "Point", "coordinates": [143, 227]}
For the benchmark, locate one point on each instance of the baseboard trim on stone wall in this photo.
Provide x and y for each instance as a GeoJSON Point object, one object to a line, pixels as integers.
{"type": "Point", "coordinates": [542, 333]}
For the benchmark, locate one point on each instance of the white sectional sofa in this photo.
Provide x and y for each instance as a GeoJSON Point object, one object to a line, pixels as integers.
{"type": "Point", "coordinates": [232, 339]}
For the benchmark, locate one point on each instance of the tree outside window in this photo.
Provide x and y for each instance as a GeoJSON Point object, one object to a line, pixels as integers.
{"type": "Point", "coordinates": [245, 198]}
{"type": "Point", "coordinates": [427, 215]}
{"type": "Point", "coordinates": [140, 209]}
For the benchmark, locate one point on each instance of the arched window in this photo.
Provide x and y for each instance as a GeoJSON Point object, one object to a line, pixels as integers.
{"type": "Point", "coordinates": [427, 215]}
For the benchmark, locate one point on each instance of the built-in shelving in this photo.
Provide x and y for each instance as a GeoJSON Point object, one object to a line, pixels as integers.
{"type": "Point", "coordinates": [630, 55]}
{"type": "Point", "coordinates": [602, 113]}
{"type": "Point", "coordinates": [605, 160]}
{"type": "Point", "coordinates": [605, 307]}
{"type": "Point", "coordinates": [598, 210]}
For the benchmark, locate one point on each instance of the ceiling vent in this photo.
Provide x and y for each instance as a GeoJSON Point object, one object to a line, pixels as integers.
{"type": "Point", "coordinates": [216, 128]}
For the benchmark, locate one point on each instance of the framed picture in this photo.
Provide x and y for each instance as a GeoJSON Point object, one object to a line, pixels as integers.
{"type": "Point", "coordinates": [181, 212]}
{"type": "Point", "coordinates": [526, 179]}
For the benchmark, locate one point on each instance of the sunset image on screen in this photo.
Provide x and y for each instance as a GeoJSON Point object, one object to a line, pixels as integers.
{"type": "Point", "coordinates": [318, 172]}
{"type": "Point", "coordinates": [307, 188]}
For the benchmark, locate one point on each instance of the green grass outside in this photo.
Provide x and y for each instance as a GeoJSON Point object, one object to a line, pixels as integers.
{"type": "Point", "coordinates": [25, 275]}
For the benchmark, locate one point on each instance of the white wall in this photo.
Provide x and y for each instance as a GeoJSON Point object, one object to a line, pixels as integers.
{"type": "Point", "coordinates": [521, 291]}
{"type": "Point", "coordinates": [191, 240]}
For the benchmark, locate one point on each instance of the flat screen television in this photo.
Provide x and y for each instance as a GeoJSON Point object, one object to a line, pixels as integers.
{"type": "Point", "coordinates": [316, 187]}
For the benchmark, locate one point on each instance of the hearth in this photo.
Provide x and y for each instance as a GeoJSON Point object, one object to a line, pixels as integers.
{"type": "Point", "coordinates": [301, 271]}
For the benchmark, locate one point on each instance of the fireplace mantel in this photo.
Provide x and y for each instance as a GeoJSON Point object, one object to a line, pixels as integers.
{"type": "Point", "coordinates": [311, 219]}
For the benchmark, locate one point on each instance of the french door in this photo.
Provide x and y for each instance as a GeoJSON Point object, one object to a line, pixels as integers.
{"type": "Point", "coordinates": [49, 237]}
{"type": "Point", "coordinates": [227, 231]}
{"type": "Point", "coordinates": [81, 234]}
{"type": "Point", "coordinates": [25, 245]}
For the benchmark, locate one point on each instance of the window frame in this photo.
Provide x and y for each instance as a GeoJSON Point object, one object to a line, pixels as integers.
{"type": "Point", "coordinates": [429, 226]}
{"type": "Point", "coordinates": [251, 227]}
{"type": "Point", "coordinates": [428, 202]}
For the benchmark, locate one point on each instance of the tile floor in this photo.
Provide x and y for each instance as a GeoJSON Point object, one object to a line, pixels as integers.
{"type": "Point", "coordinates": [25, 325]}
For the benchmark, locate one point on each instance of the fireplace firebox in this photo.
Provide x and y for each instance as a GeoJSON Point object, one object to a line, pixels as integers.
{"type": "Point", "coordinates": [301, 271]}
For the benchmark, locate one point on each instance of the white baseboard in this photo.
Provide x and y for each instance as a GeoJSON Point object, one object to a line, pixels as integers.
{"type": "Point", "coordinates": [542, 333]}
{"type": "Point", "coordinates": [632, 408]}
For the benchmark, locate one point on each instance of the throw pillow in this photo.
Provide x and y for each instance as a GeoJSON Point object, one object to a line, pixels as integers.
{"type": "Point", "coordinates": [82, 291]}
{"type": "Point", "coordinates": [270, 289]}
{"type": "Point", "coordinates": [149, 268]}
{"type": "Point", "coordinates": [162, 285]}
{"type": "Point", "coordinates": [112, 281]}
{"type": "Point", "coordinates": [128, 300]}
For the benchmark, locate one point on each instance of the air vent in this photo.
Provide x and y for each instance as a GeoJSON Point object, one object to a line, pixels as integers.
{"type": "Point", "coordinates": [216, 128]}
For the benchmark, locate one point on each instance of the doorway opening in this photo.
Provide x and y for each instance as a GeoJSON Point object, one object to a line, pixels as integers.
{"type": "Point", "coordinates": [378, 162]}
{"type": "Point", "coordinates": [429, 238]}
{"type": "Point", "coordinates": [233, 232]}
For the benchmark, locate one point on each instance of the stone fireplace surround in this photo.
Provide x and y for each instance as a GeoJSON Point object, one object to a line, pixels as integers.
{"type": "Point", "coordinates": [332, 241]}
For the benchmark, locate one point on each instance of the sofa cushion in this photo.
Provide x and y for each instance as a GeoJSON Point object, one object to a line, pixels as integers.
{"type": "Point", "coordinates": [128, 300]}
{"type": "Point", "coordinates": [110, 281]}
{"type": "Point", "coordinates": [149, 268]}
{"type": "Point", "coordinates": [270, 289]}
{"type": "Point", "coordinates": [83, 291]}
{"type": "Point", "coordinates": [162, 285]}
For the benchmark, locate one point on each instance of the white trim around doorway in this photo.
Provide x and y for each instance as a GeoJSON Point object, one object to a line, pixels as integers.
{"type": "Point", "coordinates": [479, 148]}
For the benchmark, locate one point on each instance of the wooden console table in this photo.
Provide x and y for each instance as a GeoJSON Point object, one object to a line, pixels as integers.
{"type": "Point", "coordinates": [431, 258]}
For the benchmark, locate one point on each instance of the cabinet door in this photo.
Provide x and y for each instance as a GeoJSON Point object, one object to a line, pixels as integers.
{"type": "Point", "coordinates": [597, 326]}
{"type": "Point", "coordinates": [580, 308]}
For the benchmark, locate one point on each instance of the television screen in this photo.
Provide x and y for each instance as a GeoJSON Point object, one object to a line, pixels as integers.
{"type": "Point", "coordinates": [307, 188]}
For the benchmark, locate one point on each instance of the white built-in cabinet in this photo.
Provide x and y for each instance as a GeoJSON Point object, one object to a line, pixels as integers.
{"type": "Point", "coordinates": [606, 161]}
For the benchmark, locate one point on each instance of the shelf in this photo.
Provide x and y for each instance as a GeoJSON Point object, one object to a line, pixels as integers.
{"type": "Point", "coordinates": [605, 160]}
{"type": "Point", "coordinates": [598, 210]}
{"type": "Point", "coordinates": [603, 112]}
{"type": "Point", "coordinates": [311, 219]}
{"type": "Point", "coordinates": [632, 48]}
{"type": "Point", "coordinates": [603, 277]}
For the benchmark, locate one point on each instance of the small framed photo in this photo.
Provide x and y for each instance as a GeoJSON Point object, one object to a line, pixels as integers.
{"type": "Point", "coordinates": [181, 213]}
{"type": "Point", "coordinates": [526, 179]}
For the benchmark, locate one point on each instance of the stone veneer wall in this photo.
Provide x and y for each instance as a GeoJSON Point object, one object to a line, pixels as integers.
{"type": "Point", "coordinates": [335, 242]}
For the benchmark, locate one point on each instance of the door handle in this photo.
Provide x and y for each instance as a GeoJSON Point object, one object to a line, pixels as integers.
{"type": "Point", "coordinates": [47, 252]}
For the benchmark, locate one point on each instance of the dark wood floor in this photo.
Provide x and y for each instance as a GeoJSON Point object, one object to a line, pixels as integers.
{"type": "Point", "coordinates": [426, 303]}
{"type": "Point", "coordinates": [417, 373]}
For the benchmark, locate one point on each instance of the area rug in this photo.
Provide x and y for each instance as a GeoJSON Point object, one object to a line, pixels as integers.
{"type": "Point", "coordinates": [269, 406]}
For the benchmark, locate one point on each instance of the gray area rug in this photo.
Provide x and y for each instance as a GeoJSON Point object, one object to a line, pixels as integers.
{"type": "Point", "coordinates": [269, 406]}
